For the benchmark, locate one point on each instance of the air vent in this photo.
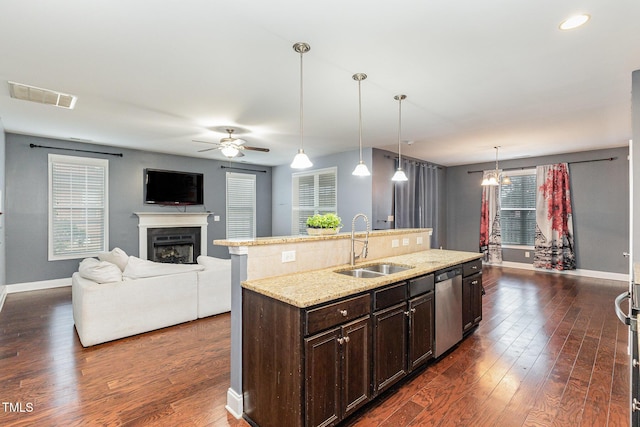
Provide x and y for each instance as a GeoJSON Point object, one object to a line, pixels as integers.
{"type": "Point", "coordinates": [41, 96]}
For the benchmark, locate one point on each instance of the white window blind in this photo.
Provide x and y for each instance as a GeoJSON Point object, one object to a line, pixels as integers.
{"type": "Point", "coordinates": [518, 209]}
{"type": "Point", "coordinates": [313, 192]}
{"type": "Point", "coordinates": [78, 206]}
{"type": "Point", "coordinates": [241, 206]}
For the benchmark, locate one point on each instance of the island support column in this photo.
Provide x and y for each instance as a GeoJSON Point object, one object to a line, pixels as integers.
{"type": "Point", "coordinates": [238, 275]}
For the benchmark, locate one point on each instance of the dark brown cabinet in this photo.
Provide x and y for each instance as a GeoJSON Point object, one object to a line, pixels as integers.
{"type": "Point", "coordinates": [420, 330]}
{"type": "Point", "coordinates": [471, 295]}
{"type": "Point", "coordinates": [337, 366]}
{"type": "Point", "coordinates": [390, 346]}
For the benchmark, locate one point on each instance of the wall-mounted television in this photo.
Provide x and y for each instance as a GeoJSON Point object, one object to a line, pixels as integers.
{"type": "Point", "coordinates": [164, 187]}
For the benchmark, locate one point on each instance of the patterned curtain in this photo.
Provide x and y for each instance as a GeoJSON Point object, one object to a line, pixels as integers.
{"type": "Point", "coordinates": [490, 239]}
{"type": "Point", "coordinates": [554, 249]}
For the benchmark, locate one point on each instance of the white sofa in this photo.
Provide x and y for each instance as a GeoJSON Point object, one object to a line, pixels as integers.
{"type": "Point", "coordinates": [139, 296]}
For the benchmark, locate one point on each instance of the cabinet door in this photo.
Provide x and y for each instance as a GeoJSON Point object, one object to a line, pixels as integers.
{"type": "Point", "coordinates": [356, 364]}
{"type": "Point", "coordinates": [390, 346]}
{"type": "Point", "coordinates": [476, 302]}
{"type": "Point", "coordinates": [322, 378]}
{"type": "Point", "coordinates": [467, 303]}
{"type": "Point", "coordinates": [420, 330]}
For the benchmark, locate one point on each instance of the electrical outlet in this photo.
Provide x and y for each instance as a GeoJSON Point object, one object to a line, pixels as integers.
{"type": "Point", "coordinates": [395, 243]}
{"type": "Point", "coordinates": [405, 241]}
{"type": "Point", "coordinates": [390, 218]}
{"type": "Point", "coordinates": [216, 218]}
{"type": "Point", "coordinates": [527, 254]}
{"type": "Point", "coordinates": [288, 256]}
{"type": "Point", "coordinates": [419, 240]}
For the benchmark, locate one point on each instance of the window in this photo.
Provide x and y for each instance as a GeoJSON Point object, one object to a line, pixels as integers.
{"type": "Point", "coordinates": [518, 209]}
{"type": "Point", "coordinates": [241, 206]}
{"type": "Point", "coordinates": [78, 207]}
{"type": "Point", "coordinates": [313, 192]}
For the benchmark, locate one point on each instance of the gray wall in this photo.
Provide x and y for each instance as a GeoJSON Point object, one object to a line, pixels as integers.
{"type": "Point", "coordinates": [600, 196]}
{"type": "Point", "coordinates": [635, 117]}
{"type": "Point", "coordinates": [354, 193]}
{"type": "Point", "coordinates": [3, 275]}
{"type": "Point", "coordinates": [27, 194]}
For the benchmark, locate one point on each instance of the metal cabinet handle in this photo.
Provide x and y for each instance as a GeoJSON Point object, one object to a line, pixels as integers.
{"type": "Point", "coordinates": [475, 282]}
{"type": "Point", "coordinates": [407, 313]}
{"type": "Point", "coordinates": [343, 312]}
{"type": "Point", "coordinates": [413, 310]}
{"type": "Point", "coordinates": [340, 340]}
{"type": "Point", "coordinates": [621, 314]}
{"type": "Point", "coordinates": [346, 339]}
{"type": "Point", "coordinates": [474, 267]}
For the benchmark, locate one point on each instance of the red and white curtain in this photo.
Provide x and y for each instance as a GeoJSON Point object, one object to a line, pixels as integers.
{"type": "Point", "coordinates": [490, 238]}
{"type": "Point", "coordinates": [554, 247]}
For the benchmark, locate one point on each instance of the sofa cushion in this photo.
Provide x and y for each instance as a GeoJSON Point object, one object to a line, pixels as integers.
{"type": "Point", "coordinates": [138, 268]}
{"type": "Point", "coordinates": [99, 271]}
{"type": "Point", "coordinates": [212, 262]}
{"type": "Point", "coordinates": [117, 256]}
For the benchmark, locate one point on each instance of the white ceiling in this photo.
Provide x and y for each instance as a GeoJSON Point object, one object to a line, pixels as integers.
{"type": "Point", "coordinates": [154, 75]}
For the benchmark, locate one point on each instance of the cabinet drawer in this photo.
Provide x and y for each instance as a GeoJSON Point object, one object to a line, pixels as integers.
{"type": "Point", "coordinates": [471, 267]}
{"type": "Point", "coordinates": [326, 316]}
{"type": "Point", "coordinates": [387, 297]}
{"type": "Point", "coordinates": [420, 285]}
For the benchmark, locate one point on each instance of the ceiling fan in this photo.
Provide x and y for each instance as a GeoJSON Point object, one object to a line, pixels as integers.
{"type": "Point", "coordinates": [231, 147]}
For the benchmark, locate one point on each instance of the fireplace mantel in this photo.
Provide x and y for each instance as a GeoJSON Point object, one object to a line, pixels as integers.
{"type": "Point", "coordinates": [148, 220]}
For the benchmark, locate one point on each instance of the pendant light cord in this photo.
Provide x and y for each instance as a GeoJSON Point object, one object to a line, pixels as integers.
{"type": "Point", "coordinates": [399, 131]}
{"type": "Point", "coordinates": [301, 105]}
{"type": "Point", "coordinates": [360, 118]}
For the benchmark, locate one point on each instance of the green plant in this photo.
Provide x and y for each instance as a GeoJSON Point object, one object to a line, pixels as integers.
{"type": "Point", "coordinates": [329, 220]}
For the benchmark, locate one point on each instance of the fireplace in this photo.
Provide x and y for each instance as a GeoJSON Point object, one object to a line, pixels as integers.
{"type": "Point", "coordinates": [177, 245]}
{"type": "Point", "coordinates": [172, 237]}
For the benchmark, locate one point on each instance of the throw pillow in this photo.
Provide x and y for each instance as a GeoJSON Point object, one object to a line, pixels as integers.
{"type": "Point", "coordinates": [99, 271]}
{"type": "Point", "coordinates": [117, 256]}
{"type": "Point", "coordinates": [138, 268]}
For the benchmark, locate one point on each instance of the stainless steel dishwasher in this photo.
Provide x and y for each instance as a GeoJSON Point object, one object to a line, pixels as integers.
{"type": "Point", "coordinates": [448, 309]}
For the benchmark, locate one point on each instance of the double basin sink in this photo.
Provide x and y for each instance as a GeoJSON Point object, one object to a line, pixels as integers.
{"type": "Point", "coordinates": [373, 271]}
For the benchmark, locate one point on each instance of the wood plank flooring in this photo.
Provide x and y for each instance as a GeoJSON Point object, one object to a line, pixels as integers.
{"type": "Point", "coordinates": [549, 351]}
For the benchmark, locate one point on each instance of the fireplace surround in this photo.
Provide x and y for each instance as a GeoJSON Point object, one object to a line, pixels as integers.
{"type": "Point", "coordinates": [179, 237]}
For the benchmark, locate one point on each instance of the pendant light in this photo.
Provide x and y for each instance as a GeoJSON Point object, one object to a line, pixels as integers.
{"type": "Point", "coordinates": [361, 169]}
{"type": "Point", "coordinates": [301, 161]}
{"type": "Point", "coordinates": [399, 176]}
{"type": "Point", "coordinates": [493, 178]}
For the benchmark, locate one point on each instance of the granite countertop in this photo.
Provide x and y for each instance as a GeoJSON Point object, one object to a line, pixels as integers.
{"type": "Point", "coordinates": [306, 238]}
{"type": "Point", "coordinates": [318, 286]}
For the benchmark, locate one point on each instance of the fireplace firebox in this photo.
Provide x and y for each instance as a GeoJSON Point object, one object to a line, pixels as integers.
{"type": "Point", "coordinates": [176, 245]}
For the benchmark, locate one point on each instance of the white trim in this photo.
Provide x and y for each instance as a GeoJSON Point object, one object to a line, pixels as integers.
{"type": "Point", "coordinates": [148, 220]}
{"type": "Point", "coordinates": [578, 272]}
{"type": "Point", "coordinates": [3, 296]}
{"type": "Point", "coordinates": [36, 286]}
{"type": "Point", "coordinates": [234, 403]}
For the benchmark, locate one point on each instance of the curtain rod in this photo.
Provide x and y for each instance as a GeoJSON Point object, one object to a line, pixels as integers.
{"type": "Point", "coordinates": [571, 163]}
{"type": "Point", "coordinates": [420, 162]}
{"type": "Point", "coordinates": [242, 169]}
{"type": "Point", "coordinates": [75, 149]}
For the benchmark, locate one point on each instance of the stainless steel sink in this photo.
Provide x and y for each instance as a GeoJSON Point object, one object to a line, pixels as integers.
{"type": "Point", "coordinates": [373, 271]}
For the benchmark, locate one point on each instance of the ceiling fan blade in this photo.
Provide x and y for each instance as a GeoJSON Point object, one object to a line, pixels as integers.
{"type": "Point", "coordinates": [264, 150]}
{"type": "Point", "coordinates": [206, 142]}
{"type": "Point", "coordinates": [207, 149]}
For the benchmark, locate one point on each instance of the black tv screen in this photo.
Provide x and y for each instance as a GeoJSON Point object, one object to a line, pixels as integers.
{"type": "Point", "coordinates": [165, 187]}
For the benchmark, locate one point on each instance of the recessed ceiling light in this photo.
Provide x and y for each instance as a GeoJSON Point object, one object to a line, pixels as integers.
{"type": "Point", "coordinates": [574, 22]}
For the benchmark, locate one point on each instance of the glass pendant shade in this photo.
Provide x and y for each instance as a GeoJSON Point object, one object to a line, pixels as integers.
{"type": "Point", "coordinates": [301, 160]}
{"type": "Point", "coordinates": [229, 151]}
{"type": "Point", "coordinates": [361, 170]}
{"type": "Point", "coordinates": [399, 176]}
{"type": "Point", "coordinates": [490, 180]}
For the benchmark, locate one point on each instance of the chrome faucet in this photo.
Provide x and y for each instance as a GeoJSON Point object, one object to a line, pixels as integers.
{"type": "Point", "coordinates": [365, 248]}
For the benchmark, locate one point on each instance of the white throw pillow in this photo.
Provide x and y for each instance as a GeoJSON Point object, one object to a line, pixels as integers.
{"type": "Point", "coordinates": [117, 256]}
{"type": "Point", "coordinates": [138, 268]}
{"type": "Point", "coordinates": [99, 271]}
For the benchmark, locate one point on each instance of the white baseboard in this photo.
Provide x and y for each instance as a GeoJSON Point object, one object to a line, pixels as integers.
{"type": "Point", "coordinates": [3, 295]}
{"type": "Point", "coordinates": [36, 286]}
{"type": "Point", "coordinates": [578, 272]}
{"type": "Point", "coordinates": [234, 403]}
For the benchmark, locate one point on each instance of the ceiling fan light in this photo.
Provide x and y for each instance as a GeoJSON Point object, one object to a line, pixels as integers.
{"type": "Point", "coordinates": [301, 160]}
{"type": "Point", "coordinates": [229, 151]}
{"type": "Point", "coordinates": [361, 170]}
{"type": "Point", "coordinates": [399, 176]}
{"type": "Point", "coordinates": [574, 22]}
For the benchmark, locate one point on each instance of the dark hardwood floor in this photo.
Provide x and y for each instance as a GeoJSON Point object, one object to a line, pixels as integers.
{"type": "Point", "coordinates": [549, 351]}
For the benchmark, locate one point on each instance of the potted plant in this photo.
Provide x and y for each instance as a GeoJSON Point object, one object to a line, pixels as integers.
{"type": "Point", "coordinates": [329, 223]}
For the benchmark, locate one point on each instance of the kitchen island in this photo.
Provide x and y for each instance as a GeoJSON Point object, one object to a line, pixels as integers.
{"type": "Point", "coordinates": [318, 345]}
